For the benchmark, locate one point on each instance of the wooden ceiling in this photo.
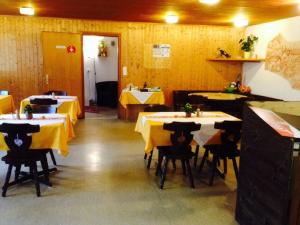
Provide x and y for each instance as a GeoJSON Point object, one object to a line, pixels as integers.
{"type": "Point", "coordinates": [189, 11]}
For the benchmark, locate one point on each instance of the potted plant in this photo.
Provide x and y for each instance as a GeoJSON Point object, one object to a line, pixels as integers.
{"type": "Point", "coordinates": [28, 112]}
{"type": "Point", "coordinates": [247, 45]}
{"type": "Point", "coordinates": [188, 109]}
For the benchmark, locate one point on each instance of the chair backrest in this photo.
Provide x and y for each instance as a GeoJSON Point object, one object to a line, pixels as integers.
{"type": "Point", "coordinates": [4, 92]}
{"type": "Point", "coordinates": [43, 109]}
{"type": "Point", "coordinates": [56, 92]}
{"type": "Point", "coordinates": [231, 132]}
{"type": "Point", "coordinates": [181, 137]}
{"type": "Point", "coordinates": [157, 108]}
{"type": "Point", "coordinates": [43, 101]}
{"type": "Point", "coordinates": [18, 136]}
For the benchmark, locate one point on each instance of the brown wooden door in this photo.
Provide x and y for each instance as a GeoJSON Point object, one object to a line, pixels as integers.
{"type": "Point", "coordinates": [62, 54]}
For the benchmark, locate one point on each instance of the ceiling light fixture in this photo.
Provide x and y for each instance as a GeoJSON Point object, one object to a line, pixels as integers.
{"type": "Point", "coordinates": [171, 18]}
{"type": "Point", "coordinates": [240, 21]}
{"type": "Point", "coordinates": [209, 2]}
{"type": "Point", "coordinates": [29, 11]}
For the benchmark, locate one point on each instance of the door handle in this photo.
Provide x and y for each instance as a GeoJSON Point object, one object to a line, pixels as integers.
{"type": "Point", "coordinates": [47, 79]}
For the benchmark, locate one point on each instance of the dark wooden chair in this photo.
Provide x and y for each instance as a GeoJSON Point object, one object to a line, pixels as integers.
{"type": "Point", "coordinates": [56, 92]}
{"type": "Point", "coordinates": [227, 149]}
{"type": "Point", "coordinates": [4, 92]}
{"type": "Point", "coordinates": [43, 109]}
{"type": "Point", "coordinates": [154, 108]}
{"type": "Point", "coordinates": [47, 108]}
{"type": "Point", "coordinates": [18, 139]}
{"type": "Point", "coordinates": [180, 149]}
{"type": "Point", "coordinates": [43, 101]}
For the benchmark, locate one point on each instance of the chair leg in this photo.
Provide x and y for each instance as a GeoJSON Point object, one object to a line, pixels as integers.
{"type": "Point", "coordinates": [159, 162]}
{"type": "Point", "coordinates": [36, 179]}
{"type": "Point", "coordinates": [196, 155]}
{"type": "Point", "coordinates": [189, 170]}
{"type": "Point", "coordinates": [163, 176]}
{"type": "Point", "coordinates": [45, 167]}
{"type": "Point", "coordinates": [174, 164]}
{"type": "Point", "coordinates": [236, 170]}
{"type": "Point", "coordinates": [183, 167]}
{"type": "Point", "coordinates": [17, 172]}
{"type": "Point", "coordinates": [214, 168]}
{"type": "Point", "coordinates": [52, 157]}
{"type": "Point", "coordinates": [225, 165]}
{"type": "Point", "coordinates": [145, 156]}
{"type": "Point", "coordinates": [149, 160]}
{"type": "Point", "coordinates": [5, 186]}
{"type": "Point", "coordinates": [203, 160]}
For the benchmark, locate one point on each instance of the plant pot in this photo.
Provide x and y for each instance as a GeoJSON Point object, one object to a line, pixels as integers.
{"type": "Point", "coordinates": [248, 55]}
{"type": "Point", "coordinates": [29, 116]}
{"type": "Point", "coordinates": [188, 114]}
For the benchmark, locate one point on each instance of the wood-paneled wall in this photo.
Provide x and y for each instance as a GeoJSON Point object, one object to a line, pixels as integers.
{"type": "Point", "coordinates": [21, 60]}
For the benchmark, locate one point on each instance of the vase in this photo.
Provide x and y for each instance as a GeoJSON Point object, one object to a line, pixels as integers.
{"type": "Point", "coordinates": [248, 55]}
{"type": "Point", "coordinates": [188, 114]}
{"type": "Point", "coordinates": [28, 116]}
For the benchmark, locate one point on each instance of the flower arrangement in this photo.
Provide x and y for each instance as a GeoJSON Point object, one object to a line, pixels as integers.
{"type": "Point", "coordinates": [247, 44]}
{"type": "Point", "coordinates": [188, 109]}
{"type": "Point", "coordinates": [102, 49]}
{"type": "Point", "coordinates": [28, 111]}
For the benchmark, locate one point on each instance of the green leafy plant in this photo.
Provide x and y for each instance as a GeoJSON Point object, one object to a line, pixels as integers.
{"type": "Point", "coordinates": [188, 108]}
{"type": "Point", "coordinates": [247, 44]}
{"type": "Point", "coordinates": [28, 109]}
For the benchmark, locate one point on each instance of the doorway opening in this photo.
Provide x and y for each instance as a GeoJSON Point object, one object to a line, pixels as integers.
{"type": "Point", "coordinates": [101, 76]}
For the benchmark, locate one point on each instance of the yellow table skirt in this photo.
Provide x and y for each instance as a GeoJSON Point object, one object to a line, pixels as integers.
{"type": "Point", "coordinates": [6, 104]}
{"type": "Point", "coordinates": [127, 98]}
{"type": "Point", "coordinates": [218, 96]}
{"type": "Point", "coordinates": [72, 108]}
{"type": "Point", "coordinates": [52, 136]}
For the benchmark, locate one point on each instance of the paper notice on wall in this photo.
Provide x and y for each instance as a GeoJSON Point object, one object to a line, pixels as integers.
{"type": "Point", "coordinates": [161, 50]}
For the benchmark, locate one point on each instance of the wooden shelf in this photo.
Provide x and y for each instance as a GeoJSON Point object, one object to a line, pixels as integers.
{"type": "Point", "coordinates": [235, 60]}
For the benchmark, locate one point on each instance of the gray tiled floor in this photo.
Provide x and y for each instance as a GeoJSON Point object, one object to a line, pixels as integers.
{"type": "Point", "coordinates": [104, 181]}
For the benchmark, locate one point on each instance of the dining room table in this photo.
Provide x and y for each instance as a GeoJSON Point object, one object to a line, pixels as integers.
{"type": "Point", "coordinates": [65, 104]}
{"type": "Point", "coordinates": [150, 126]}
{"type": "Point", "coordinates": [6, 104]}
{"type": "Point", "coordinates": [55, 131]}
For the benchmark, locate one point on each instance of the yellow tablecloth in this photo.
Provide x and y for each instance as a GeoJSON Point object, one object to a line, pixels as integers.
{"type": "Point", "coordinates": [128, 98]}
{"type": "Point", "coordinates": [71, 107]}
{"type": "Point", "coordinates": [150, 125]}
{"type": "Point", "coordinates": [6, 104]}
{"type": "Point", "coordinates": [54, 132]}
{"type": "Point", "coordinates": [218, 96]}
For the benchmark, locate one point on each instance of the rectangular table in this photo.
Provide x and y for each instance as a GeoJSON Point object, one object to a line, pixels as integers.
{"type": "Point", "coordinates": [150, 125]}
{"type": "Point", "coordinates": [55, 131]}
{"type": "Point", "coordinates": [66, 104]}
{"type": "Point", "coordinates": [6, 104]}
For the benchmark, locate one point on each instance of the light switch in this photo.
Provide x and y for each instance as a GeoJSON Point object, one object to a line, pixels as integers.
{"type": "Point", "coordinates": [125, 72]}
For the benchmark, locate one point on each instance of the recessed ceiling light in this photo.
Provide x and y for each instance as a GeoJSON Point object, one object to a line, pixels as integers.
{"type": "Point", "coordinates": [29, 11]}
{"type": "Point", "coordinates": [209, 2]}
{"type": "Point", "coordinates": [240, 21]}
{"type": "Point", "coordinates": [172, 19]}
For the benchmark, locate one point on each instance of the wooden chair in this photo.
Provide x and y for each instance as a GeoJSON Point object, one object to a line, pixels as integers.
{"type": "Point", "coordinates": [43, 101]}
{"type": "Point", "coordinates": [154, 108]}
{"type": "Point", "coordinates": [4, 92]}
{"type": "Point", "coordinates": [43, 109]}
{"type": "Point", "coordinates": [56, 92]}
{"type": "Point", "coordinates": [228, 149]}
{"type": "Point", "coordinates": [47, 108]}
{"type": "Point", "coordinates": [180, 149]}
{"type": "Point", "coordinates": [18, 139]}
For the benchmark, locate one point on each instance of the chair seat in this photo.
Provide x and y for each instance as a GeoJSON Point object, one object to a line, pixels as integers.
{"type": "Point", "coordinates": [30, 156]}
{"type": "Point", "coordinates": [223, 152]}
{"type": "Point", "coordinates": [169, 152]}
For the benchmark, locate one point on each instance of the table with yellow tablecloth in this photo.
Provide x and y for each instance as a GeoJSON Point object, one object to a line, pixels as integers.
{"type": "Point", "coordinates": [136, 97]}
{"type": "Point", "coordinates": [150, 126]}
{"type": "Point", "coordinates": [6, 104]}
{"type": "Point", "coordinates": [55, 131]}
{"type": "Point", "coordinates": [219, 95]}
{"type": "Point", "coordinates": [66, 104]}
